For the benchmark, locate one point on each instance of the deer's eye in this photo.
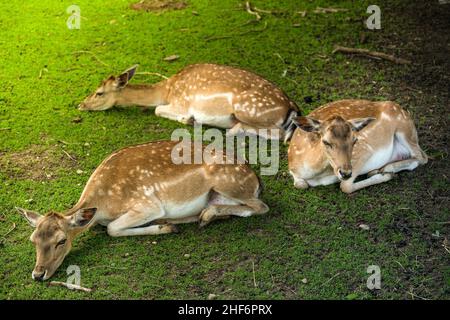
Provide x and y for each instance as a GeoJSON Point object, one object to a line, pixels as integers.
{"type": "Point", "coordinates": [327, 144]}
{"type": "Point", "coordinates": [61, 242]}
{"type": "Point", "coordinates": [355, 140]}
{"type": "Point", "coordinates": [99, 94]}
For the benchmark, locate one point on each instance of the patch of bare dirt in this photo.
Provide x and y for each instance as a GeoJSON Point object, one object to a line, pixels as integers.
{"type": "Point", "coordinates": [158, 5]}
{"type": "Point", "coordinates": [37, 163]}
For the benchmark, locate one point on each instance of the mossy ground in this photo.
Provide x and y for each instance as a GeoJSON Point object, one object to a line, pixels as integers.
{"type": "Point", "coordinates": [308, 234]}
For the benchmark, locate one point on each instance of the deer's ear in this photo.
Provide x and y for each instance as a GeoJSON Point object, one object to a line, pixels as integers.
{"type": "Point", "coordinates": [31, 216]}
{"type": "Point", "coordinates": [358, 124]}
{"type": "Point", "coordinates": [131, 71]}
{"type": "Point", "coordinates": [307, 124]}
{"type": "Point", "coordinates": [124, 77]}
{"type": "Point", "coordinates": [82, 217]}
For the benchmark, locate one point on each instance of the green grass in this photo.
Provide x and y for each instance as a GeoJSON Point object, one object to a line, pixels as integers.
{"type": "Point", "coordinates": [310, 234]}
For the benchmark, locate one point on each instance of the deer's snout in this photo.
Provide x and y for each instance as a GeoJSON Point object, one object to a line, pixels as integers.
{"type": "Point", "coordinates": [344, 174]}
{"type": "Point", "coordinates": [39, 273]}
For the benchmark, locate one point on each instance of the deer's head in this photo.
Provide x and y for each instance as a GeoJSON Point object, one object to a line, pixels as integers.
{"type": "Point", "coordinates": [106, 96]}
{"type": "Point", "coordinates": [53, 236]}
{"type": "Point", "coordinates": [338, 136]}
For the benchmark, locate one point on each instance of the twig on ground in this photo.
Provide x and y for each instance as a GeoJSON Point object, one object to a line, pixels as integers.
{"type": "Point", "coordinates": [5, 129]}
{"type": "Point", "coordinates": [69, 286]}
{"type": "Point", "coordinates": [326, 282]}
{"type": "Point", "coordinates": [249, 9]}
{"type": "Point", "coordinates": [328, 10]}
{"type": "Point", "coordinates": [370, 54]}
{"type": "Point", "coordinates": [93, 55]}
{"type": "Point", "coordinates": [415, 295]}
{"type": "Point", "coordinates": [263, 11]}
{"type": "Point", "coordinates": [279, 56]}
{"type": "Point", "coordinates": [68, 155]}
{"type": "Point", "coordinates": [111, 267]}
{"type": "Point", "coordinates": [153, 74]}
{"type": "Point", "coordinates": [400, 264]}
{"type": "Point", "coordinates": [254, 276]}
{"type": "Point", "coordinates": [237, 35]}
{"type": "Point", "coordinates": [3, 239]}
{"type": "Point", "coordinates": [321, 10]}
{"type": "Point", "coordinates": [67, 143]}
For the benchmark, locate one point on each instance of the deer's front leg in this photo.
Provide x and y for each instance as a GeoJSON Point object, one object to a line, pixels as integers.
{"type": "Point", "coordinates": [128, 223]}
{"type": "Point", "coordinates": [174, 113]}
{"type": "Point", "coordinates": [299, 182]}
{"type": "Point", "coordinates": [349, 186]}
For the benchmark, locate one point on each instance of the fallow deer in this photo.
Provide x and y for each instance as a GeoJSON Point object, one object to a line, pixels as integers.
{"type": "Point", "coordinates": [349, 138]}
{"type": "Point", "coordinates": [140, 191]}
{"type": "Point", "coordinates": [210, 94]}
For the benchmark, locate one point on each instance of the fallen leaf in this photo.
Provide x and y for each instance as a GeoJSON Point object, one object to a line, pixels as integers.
{"type": "Point", "coordinates": [171, 58]}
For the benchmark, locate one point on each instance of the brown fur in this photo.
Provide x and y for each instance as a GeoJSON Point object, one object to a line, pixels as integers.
{"type": "Point", "coordinates": [216, 95]}
{"type": "Point", "coordinates": [382, 124]}
{"type": "Point", "coordinates": [138, 185]}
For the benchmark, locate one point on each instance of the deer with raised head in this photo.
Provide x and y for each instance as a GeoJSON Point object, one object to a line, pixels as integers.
{"type": "Point", "coordinates": [209, 94]}
{"type": "Point", "coordinates": [139, 190]}
{"type": "Point", "coordinates": [349, 138]}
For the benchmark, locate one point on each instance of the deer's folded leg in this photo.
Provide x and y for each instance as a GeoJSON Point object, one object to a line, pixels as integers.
{"type": "Point", "coordinates": [173, 113]}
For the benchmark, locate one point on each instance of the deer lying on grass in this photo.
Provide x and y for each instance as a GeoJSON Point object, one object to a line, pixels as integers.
{"type": "Point", "coordinates": [139, 191]}
{"type": "Point", "coordinates": [210, 94]}
{"type": "Point", "coordinates": [345, 139]}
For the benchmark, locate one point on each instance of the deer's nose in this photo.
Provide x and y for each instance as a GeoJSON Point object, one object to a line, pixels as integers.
{"type": "Point", "coordinates": [344, 174]}
{"type": "Point", "coordinates": [38, 276]}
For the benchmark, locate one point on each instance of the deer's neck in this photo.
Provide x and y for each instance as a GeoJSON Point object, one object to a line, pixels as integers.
{"type": "Point", "coordinates": [143, 95]}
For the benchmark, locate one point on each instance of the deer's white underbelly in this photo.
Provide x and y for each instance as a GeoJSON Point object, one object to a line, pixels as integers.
{"type": "Point", "coordinates": [179, 210]}
{"type": "Point", "coordinates": [379, 158]}
{"type": "Point", "coordinates": [222, 121]}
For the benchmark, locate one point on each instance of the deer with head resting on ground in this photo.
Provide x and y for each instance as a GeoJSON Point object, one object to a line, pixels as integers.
{"type": "Point", "coordinates": [349, 138]}
{"type": "Point", "coordinates": [209, 94]}
{"type": "Point", "coordinates": [140, 191]}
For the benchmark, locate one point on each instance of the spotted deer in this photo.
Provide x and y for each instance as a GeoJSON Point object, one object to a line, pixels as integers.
{"type": "Point", "coordinates": [349, 138]}
{"type": "Point", "coordinates": [140, 191]}
{"type": "Point", "coordinates": [209, 94]}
